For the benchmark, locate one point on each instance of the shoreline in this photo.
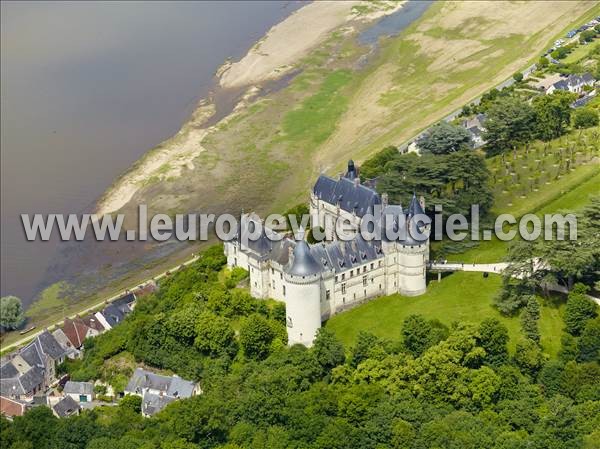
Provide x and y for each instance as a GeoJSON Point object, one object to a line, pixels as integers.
{"type": "Point", "coordinates": [270, 59]}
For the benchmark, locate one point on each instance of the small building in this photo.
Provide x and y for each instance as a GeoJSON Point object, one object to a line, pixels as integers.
{"type": "Point", "coordinates": [66, 407]}
{"type": "Point", "coordinates": [157, 391]}
{"type": "Point", "coordinates": [12, 407]}
{"type": "Point", "coordinates": [116, 311]}
{"type": "Point", "coordinates": [79, 391]}
{"type": "Point", "coordinates": [573, 83]}
{"type": "Point", "coordinates": [476, 127]}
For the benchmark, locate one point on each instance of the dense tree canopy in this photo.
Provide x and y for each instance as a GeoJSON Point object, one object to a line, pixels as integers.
{"type": "Point", "coordinates": [11, 312]}
{"type": "Point", "coordinates": [445, 138]}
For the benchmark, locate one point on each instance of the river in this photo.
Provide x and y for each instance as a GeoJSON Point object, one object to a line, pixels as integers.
{"type": "Point", "coordinates": [87, 88]}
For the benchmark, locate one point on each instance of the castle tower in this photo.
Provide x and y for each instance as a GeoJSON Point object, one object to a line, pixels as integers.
{"type": "Point", "coordinates": [414, 252]}
{"type": "Point", "coordinates": [302, 296]}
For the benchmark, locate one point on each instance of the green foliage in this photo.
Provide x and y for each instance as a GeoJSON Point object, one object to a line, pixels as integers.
{"type": "Point", "coordinates": [589, 342]}
{"type": "Point", "coordinates": [375, 165]}
{"type": "Point", "coordinates": [11, 312]}
{"type": "Point", "coordinates": [553, 114]}
{"type": "Point", "coordinates": [444, 138]}
{"type": "Point", "coordinates": [585, 118]}
{"type": "Point", "coordinates": [493, 338]}
{"type": "Point", "coordinates": [215, 336]}
{"type": "Point", "coordinates": [256, 336]}
{"type": "Point", "coordinates": [529, 319]}
{"type": "Point", "coordinates": [131, 402]}
{"type": "Point", "coordinates": [328, 349]}
{"type": "Point", "coordinates": [510, 123]}
{"type": "Point", "coordinates": [528, 357]}
{"type": "Point", "coordinates": [579, 310]}
{"type": "Point", "coordinates": [518, 77]}
{"type": "Point", "coordinates": [419, 334]}
{"type": "Point", "coordinates": [455, 181]}
{"type": "Point", "coordinates": [587, 36]}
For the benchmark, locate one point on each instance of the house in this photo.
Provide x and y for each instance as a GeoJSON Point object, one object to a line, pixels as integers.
{"type": "Point", "coordinates": [12, 407]}
{"type": "Point", "coordinates": [65, 343]}
{"type": "Point", "coordinates": [66, 407]}
{"type": "Point", "coordinates": [573, 83]}
{"type": "Point", "coordinates": [116, 311]}
{"type": "Point", "coordinates": [79, 391]}
{"type": "Point", "coordinates": [476, 128]}
{"type": "Point", "coordinates": [320, 280]}
{"type": "Point", "coordinates": [580, 102]}
{"type": "Point", "coordinates": [157, 391]}
{"type": "Point", "coordinates": [77, 331]}
{"type": "Point", "coordinates": [31, 369]}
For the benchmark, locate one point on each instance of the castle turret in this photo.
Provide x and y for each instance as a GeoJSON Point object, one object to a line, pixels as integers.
{"type": "Point", "coordinates": [414, 251]}
{"type": "Point", "coordinates": [302, 297]}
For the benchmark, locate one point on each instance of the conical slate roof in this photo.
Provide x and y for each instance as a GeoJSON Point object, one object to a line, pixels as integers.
{"type": "Point", "coordinates": [415, 207]}
{"type": "Point", "coordinates": [303, 263]}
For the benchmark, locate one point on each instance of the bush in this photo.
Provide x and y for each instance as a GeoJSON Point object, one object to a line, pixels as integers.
{"type": "Point", "coordinates": [585, 118]}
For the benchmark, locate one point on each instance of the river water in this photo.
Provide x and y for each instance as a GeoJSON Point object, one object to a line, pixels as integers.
{"type": "Point", "coordinates": [87, 88]}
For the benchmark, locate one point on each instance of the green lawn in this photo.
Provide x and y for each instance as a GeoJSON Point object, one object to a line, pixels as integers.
{"type": "Point", "coordinates": [581, 51]}
{"type": "Point", "coordinates": [465, 297]}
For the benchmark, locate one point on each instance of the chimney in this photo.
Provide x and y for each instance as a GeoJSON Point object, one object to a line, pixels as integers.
{"type": "Point", "coordinates": [356, 182]}
{"type": "Point", "coordinates": [384, 200]}
{"type": "Point", "coordinates": [422, 202]}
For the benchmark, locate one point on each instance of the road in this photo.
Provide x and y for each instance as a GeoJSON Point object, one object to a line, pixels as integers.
{"type": "Point", "coordinates": [31, 336]}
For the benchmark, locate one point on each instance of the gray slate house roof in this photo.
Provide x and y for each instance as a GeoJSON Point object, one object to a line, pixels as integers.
{"type": "Point", "coordinates": [115, 312]}
{"type": "Point", "coordinates": [66, 407]}
{"type": "Point", "coordinates": [154, 403]}
{"type": "Point", "coordinates": [351, 196]}
{"type": "Point", "coordinates": [574, 81]}
{"type": "Point", "coordinates": [173, 386]}
{"type": "Point", "coordinates": [72, 387]}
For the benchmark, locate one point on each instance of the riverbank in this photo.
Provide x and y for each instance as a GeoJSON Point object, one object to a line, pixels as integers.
{"type": "Point", "coordinates": [272, 57]}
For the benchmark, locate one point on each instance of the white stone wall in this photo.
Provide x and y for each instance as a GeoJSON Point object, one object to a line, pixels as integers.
{"type": "Point", "coordinates": [303, 309]}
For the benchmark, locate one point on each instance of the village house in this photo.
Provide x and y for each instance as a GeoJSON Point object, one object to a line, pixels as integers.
{"type": "Point", "coordinates": [32, 369]}
{"type": "Point", "coordinates": [79, 391]}
{"type": "Point", "coordinates": [476, 127]}
{"type": "Point", "coordinates": [158, 391]}
{"type": "Point", "coordinates": [116, 311]}
{"type": "Point", "coordinates": [66, 407]}
{"type": "Point", "coordinates": [573, 83]}
{"type": "Point", "coordinates": [12, 407]}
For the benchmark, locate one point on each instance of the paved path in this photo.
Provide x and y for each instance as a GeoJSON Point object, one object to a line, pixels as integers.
{"type": "Point", "coordinates": [476, 267]}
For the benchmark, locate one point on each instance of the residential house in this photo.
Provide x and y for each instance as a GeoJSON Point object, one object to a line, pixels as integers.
{"type": "Point", "coordinates": [12, 407]}
{"type": "Point", "coordinates": [66, 407]}
{"type": "Point", "coordinates": [79, 391]}
{"type": "Point", "coordinates": [65, 343]}
{"type": "Point", "coordinates": [77, 331]}
{"type": "Point", "coordinates": [573, 83]}
{"type": "Point", "coordinates": [31, 369]}
{"type": "Point", "coordinates": [157, 391]}
{"type": "Point", "coordinates": [476, 128]}
{"type": "Point", "coordinates": [116, 311]}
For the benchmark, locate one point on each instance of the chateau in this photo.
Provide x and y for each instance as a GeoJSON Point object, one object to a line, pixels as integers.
{"type": "Point", "coordinates": [319, 280]}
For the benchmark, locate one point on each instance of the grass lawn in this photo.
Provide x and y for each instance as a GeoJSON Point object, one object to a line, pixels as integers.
{"type": "Point", "coordinates": [581, 51]}
{"type": "Point", "coordinates": [465, 297]}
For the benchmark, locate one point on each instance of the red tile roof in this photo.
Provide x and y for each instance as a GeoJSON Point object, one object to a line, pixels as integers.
{"type": "Point", "coordinates": [10, 407]}
{"type": "Point", "coordinates": [75, 330]}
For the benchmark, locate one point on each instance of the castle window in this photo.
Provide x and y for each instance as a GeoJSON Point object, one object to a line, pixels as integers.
{"type": "Point", "coordinates": [372, 280]}
{"type": "Point", "coordinates": [372, 265]}
{"type": "Point", "coordinates": [272, 271]}
{"type": "Point", "coordinates": [343, 289]}
{"type": "Point", "coordinates": [280, 275]}
{"type": "Point", "coordinates": [273, 284]}
{"type": "Point", "coordinates": [284, 290]}
{"type": "Point", "coordinates": [380, 263]}
{"type": "Point", "coordinates": [343, 276]}
{"type": "Point", "coordinates": [364, 269]}
{"type": "Point", "coordinates": [365, 293]}
{"type": "Point", "coordinates": [327, 295]}
{"type": "Point", "coordinates": [336, 278]}
{"type": "Point", "coordinates": [255, 284]}
{"type": "Point", "coordinates": [354, 296]}
{"type": "Point", "coordinates": [351, 273]}
{"type": "Point", "coordinates": [379, 286]}
{"type": "Point", "coordinates": [364, 281]}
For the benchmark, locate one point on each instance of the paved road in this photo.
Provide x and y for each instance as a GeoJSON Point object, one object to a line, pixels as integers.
{"type": "Point", "coordinates": [32, 335]}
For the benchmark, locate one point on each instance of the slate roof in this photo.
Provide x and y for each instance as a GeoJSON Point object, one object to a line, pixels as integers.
{"type": "Point", "coordinates": [351, 197]}
{"type": "Point", "coordinates": [66, 407]}
{"type": "Point", "coordinates": [154, 403]}
{"type": "Point", "coordinates": [72, 387]}
{"type": "Point", "coordinates": [50, 346]}
{"type": "Point", "coordinates": [414, 207]}
{"type": "Point", "coordinates": [113, 315]}
{"type": "Point", "coordinates": [170, 385]}
{"type": "Point", "coordinates": [303, 263]}
{"type": "Point", "coordinates": [574, 81]}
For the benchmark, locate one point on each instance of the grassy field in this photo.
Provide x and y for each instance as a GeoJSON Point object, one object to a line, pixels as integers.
{"type": "Point", "coordinates": [464, 297]}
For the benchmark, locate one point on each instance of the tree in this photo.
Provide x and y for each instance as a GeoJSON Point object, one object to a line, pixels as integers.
{"type": "Point", "coordinates": [328, 349]}
{"type": "Point", "coordinates": [11, 312]}
{"type": "Point", "coordinates": [587, 36]}
{"type": "Point", "coordinates": [518, 77]}
{"type": "Point", "coordinates": [585, 118]}
{"type": "Point", "coordinates": [528, 357]}
{"type": "Point", "coordinates": [553, 114]}
{"type": "Point", "coordinates": [444, 138]}
{"type": "Point", "coordinates": [589, 342]}
{"type": "Point", "coordinates": [510, 123]}
{"type": "Point", "coordinates": [256, 336]}
{"type": "Point", "coordinates": [579, 310]}
{"type": "Point", "coordinates": [415, 333]}
{"type": "Point", "coordinates": [493, 337]}
{"type": "Point", "coordinates": [365, 342]}
{"type": "Point", "coordinates": [543, 62]}
{"type": "Point", "coordinates": [529, 319]}
{"type": "Point", "coordinates": [214, 335]}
